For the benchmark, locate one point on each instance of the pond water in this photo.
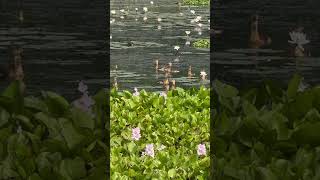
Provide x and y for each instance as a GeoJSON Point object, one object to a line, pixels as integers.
{"type": "Point", "coordinates": [234, 62]}
{"type": "Point", "coordinates": [59, 49]}
{"type": "Point", "coordinates": [151, 40]}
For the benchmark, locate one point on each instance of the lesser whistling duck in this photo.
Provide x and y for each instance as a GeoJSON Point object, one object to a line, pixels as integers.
{"type": "Point", "coordinates": [257, 39]}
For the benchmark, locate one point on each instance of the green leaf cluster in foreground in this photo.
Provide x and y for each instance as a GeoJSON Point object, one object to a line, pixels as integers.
{"type": "Point", "coordinates": [179, 122]}
{"type": "Point", "coordinates": [201, 43]}
{"type": "Point", "coordinates": [266, 133]}
{"type": "Point", "coordinates": [47, 138]}
{"type": "Point", "coordinates": [196, 2]}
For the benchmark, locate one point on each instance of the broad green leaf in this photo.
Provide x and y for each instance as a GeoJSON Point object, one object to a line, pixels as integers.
{"type": "Point", "coordinates": [293, 86]}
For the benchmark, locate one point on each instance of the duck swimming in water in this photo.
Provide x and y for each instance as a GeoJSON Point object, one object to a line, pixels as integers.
{"type": "Point", "coordinates": [257, 39]}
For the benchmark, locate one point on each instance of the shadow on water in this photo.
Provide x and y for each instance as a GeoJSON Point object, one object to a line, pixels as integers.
{"type": "Point", "coordinates": [58, 48]}
{"type": "Point", "coordinates": [138, 41]}
{"type": "Point", "coordinates": [236, 63]}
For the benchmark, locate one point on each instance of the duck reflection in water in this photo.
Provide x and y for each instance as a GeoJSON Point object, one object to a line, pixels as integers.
{"type": "Point", "coordinates": [256, 38]}
{"type": "Point", "coordinates": [14, 70]}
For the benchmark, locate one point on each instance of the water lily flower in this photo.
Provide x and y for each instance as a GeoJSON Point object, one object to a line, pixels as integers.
{"type": "Point", "coordinates": [112, 20]}
{"type": "Point", "coordinates": [136, 92]}
{"type": "Point", "coordinates": [192, 11]}
{"type": "Point", "coordinates": [201, 150]}
{"type": "Point", "coordinates": [136, 9]}
{"type": "Point", "coordinates": [149, 150]}
{"type": "Point", "coordinates": [187, 32]}
{"type": "Point", "coordinates": [188, 43]}
{"type": "Point", "coordinates": [176, 48]}
{"type": "Point", "coordinates": [136, 19]}
{"type": "Point", "coordinates": [110, 37]}
{"type": "Point", "coordinates": [121, 17]}
{"type": "Point", "coordinates": [145, 18]}
{"type": "Point", "coordinates": [151, 2]}
{"type": "Point", "coordinates": [209, 21]}
{"type": "Point", "coordinates": [113, 11]}
{"type": "Point", "coordinates": [122, 10]}
{"type": "Point", "coordinates": [82, 87]}
{"type": "Point", "coordinates": [198, 18]}
{"type": "Point", "coordinates": [200, 25]}
{"type": "Point", "coordinates": [203, 75]}
{"type": "Point", "coordinates": [145, 9]}
{"type": "Point", "coordinates": [181, 14]}
{"type": "Point", "coordinates": [159, 27]}
{"type": "Point", "coordinates": [159, 19]}
{"type": "Point", "coordinates": [199, 33]}
{"type": "Point", "coordinates": [136, 133]}
{"type": "Point", "coordinates": [298, 38]}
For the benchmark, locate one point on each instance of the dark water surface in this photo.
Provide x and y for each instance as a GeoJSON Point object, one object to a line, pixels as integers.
{"type": "Point", "coordinates": [61, 43]}
{"type": "Point", "coordinates": [235, 63]}
{"type": "Point", "coordinates": [135, 63]}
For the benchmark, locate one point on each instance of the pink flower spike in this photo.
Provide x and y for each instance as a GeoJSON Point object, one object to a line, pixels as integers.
{"type": "Point", "coordinates": [149, 150]}
{"type": "Point", "coordinates": [201, 150]}
{"type": "Point", "coordinates": [82, 87]}
{"type": "Point", "coordinates": [136, 134]}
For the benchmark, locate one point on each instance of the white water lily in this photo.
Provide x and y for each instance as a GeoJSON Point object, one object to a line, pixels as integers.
{"type": "Point", "coordinates": [110, 37]}
{"type": "Point", "coordinates": [203, 74]}
{"type": "Point", "coordinates": [198, 18]}
{"type": "Point", "coordinates": [136, 92]}
{"type": "Point", "coordinates": [192, 11]}
{"type": "Point", "coordinates": [159, 27]}
{"type": "Point", "coordinates": [181, 14]}
{"type": "Point", "coordinates": [176, 48]}
{"type": "Point", "coordinates": [209, 21]}
{"type": "Point", "coordinates": [112, 21]}
{"type": "Point", "coordinates": [136, 19]}
{"type": "Point", "coordinates": [298, 38]}
{"type": "Point", "coordinates": [122, 10]}
{"type": "Point", "coordinates": [151, 2]}
{"type": "Point", "coordinates": [187, 32]}
{"type": "Point", "coordinates": [145, 9]}
{"type": "Point", "coordinates": [113, 11]}
{"type": "Point", "coordinates": [200, 25]}
{"type": "Point", "coordinates": [121, 17]}
{"type": "Point", "coordinates": [187, 43]}
{"type": "Point", "coordinates": [136, 9]}
{"type": "Point", "coordinates": [159, 19]}
{"type": "Point", "coordinates": [145, 18]}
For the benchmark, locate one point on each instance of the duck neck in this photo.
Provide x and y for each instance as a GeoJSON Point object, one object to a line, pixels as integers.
{"type": "Point", "coordinates": [254, 31]}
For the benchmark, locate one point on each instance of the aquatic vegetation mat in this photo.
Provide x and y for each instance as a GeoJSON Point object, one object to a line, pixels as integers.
{"type": "Point", "coordinates": [196, 2]}
{"type": "Point", "coordinates": [46, 137]}
{"type": "Point", "coordinates": [266, 132]}
{"type": "Point", "coordinates": [201, 43]}
{"type": "Point", "coordinates": [160, 135]}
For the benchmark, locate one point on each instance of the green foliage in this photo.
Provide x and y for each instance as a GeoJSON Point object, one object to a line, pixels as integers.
{"type": "Point", "coordinates": [196, 2]}
{"type": "Point", "coordinates": [56, 140]}
{"type": "Point", "coordinates": [266, 133]}
{"type": "Point", "coordinates": [201, 43]}
{"type": "Point", "coordinates": [180, 122]}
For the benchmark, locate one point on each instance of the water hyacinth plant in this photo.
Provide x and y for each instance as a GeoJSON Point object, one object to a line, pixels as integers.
{"type": "Point", "coordinates": [47, 137]}
{"type": "Point", "coordinates": [158, 136]}
{"type": "Point", "coordinates": [266, 132]}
